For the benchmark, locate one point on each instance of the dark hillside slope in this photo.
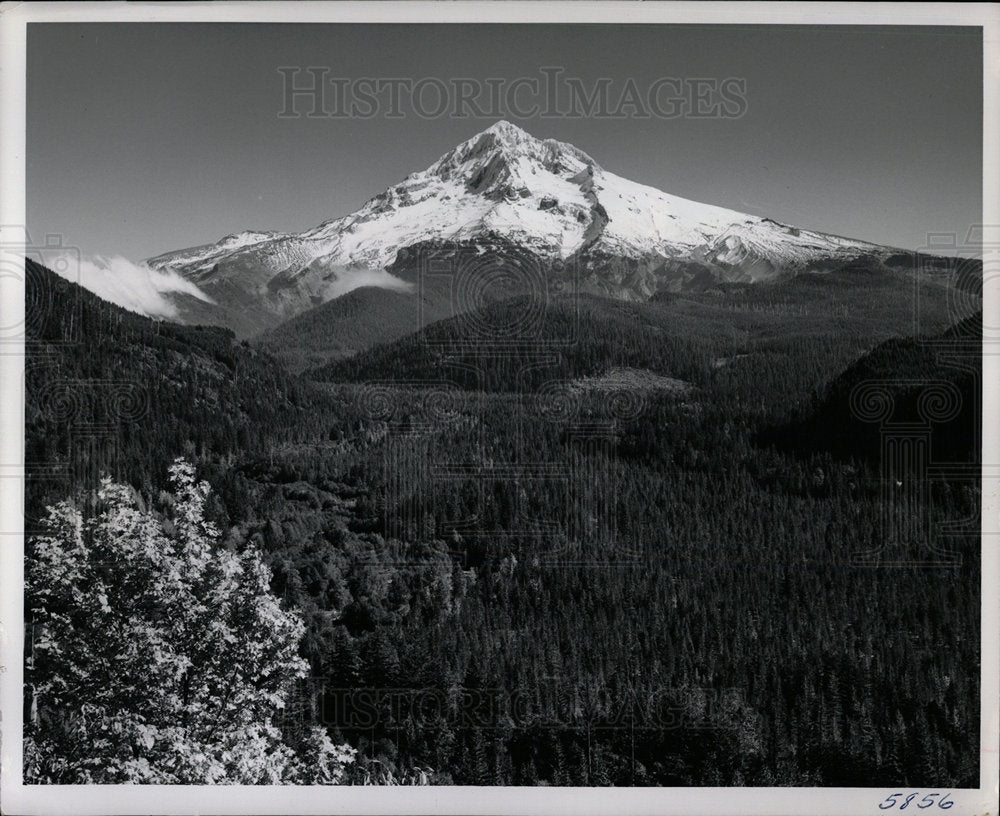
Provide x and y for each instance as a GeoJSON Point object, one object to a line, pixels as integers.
{"type": "Point", "coordinates": [362, 318]}
{"type": "Point", "coordinates": [111, 391]}
{"type": "Point", "coordinates": [763, 348]}
{"type": "Point", "coordinates": [445, 279]}
{"type": "Point", "coordinates": [936, 381]}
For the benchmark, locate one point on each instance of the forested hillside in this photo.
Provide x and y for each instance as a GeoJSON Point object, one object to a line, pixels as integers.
{"type": "Point", "coordinates": [518, 570]}
{"type": "Point", "coordinates": [764, 349]}
{"type": "Point", "coordinates": [895, 377]}
{"type": "Point", "coordinates": [110, 390]}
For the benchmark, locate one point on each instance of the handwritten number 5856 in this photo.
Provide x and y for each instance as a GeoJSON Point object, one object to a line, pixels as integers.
{"type": "Point", "coordinates": [892, 801]}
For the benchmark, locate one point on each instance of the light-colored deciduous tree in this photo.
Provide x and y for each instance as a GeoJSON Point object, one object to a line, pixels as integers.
{"type": "Point", "coordinates": [157, 656]}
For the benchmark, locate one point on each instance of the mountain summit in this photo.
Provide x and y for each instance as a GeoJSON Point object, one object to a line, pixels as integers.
{"type": "Point", "coordinates": [543, 196]}
{"type": "Point", "coordinates": [502, 153]}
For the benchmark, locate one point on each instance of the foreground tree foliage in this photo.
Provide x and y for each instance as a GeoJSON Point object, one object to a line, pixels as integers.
{"type": "Point", "coordinates": [157, 656]}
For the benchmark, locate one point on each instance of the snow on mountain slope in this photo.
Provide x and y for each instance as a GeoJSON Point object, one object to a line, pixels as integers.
{"type": "Point", "coordinates": [545, 196]}
{"type": "Point", "coordinates": [210, 252]}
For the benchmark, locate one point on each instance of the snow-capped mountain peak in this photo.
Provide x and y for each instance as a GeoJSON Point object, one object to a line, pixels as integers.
{"type": "Point", "coordinates": [545, 196]}
{"type": "Point", "coordinates": [502, 181]}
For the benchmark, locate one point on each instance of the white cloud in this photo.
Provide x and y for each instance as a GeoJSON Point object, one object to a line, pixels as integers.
{"type": "Point", "coordinates": [132, 286]}
{"type": "Point", "coordinates": [348, 280]}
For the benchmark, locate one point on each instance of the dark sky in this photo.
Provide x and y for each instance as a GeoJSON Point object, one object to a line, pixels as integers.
{"type": "Point", "coordinates": [144, 138]}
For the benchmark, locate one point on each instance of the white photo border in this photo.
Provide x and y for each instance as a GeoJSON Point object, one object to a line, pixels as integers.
{"type": "Point", "coordinates": [17, 798]}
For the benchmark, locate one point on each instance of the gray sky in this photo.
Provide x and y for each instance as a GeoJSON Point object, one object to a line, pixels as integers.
{"type": "Point", "coordinates": [143, 138]}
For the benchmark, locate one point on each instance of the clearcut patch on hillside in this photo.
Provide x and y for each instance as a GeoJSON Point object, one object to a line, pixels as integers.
{"type": "Point", "coordinates": [633, 379]}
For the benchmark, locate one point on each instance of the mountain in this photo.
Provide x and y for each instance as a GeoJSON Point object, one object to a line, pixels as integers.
{"type": "Point", "coordinates": [505, 188]}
